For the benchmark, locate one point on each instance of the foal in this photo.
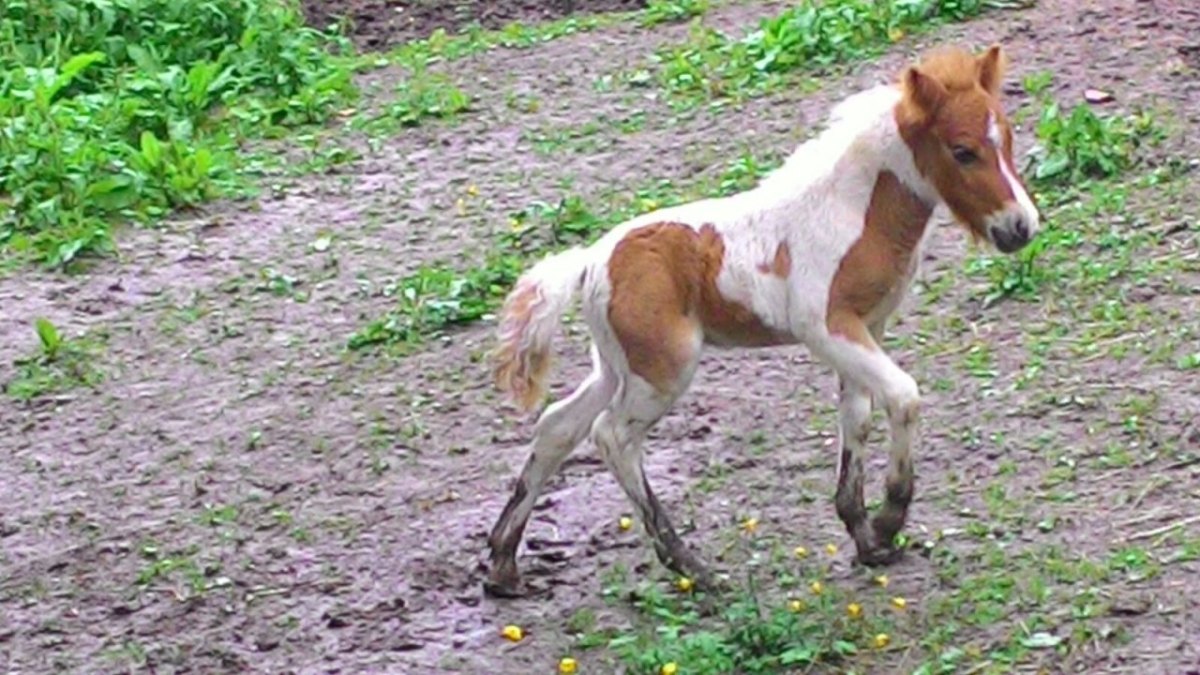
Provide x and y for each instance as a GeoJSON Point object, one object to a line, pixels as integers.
{"type": "Point", "coordinates": [820, 254]}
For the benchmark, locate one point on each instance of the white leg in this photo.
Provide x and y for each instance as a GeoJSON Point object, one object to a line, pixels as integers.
{"type": "Point", "coordinates": [854, 425]}
{"type": "Point", "coordinates": [865, 368]}
{"type": "Point", "coordinates": [559, 430]}
{"type": "Point", "coordinates": [618, 434]}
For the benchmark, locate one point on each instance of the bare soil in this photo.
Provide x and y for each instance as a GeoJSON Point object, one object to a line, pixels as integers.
{"type": "Point", "coordinates": [378, 24]}
{"type": "Point", "coordinates": [243, 495]}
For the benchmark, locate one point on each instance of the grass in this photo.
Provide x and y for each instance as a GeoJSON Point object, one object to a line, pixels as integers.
{"type": "Point", "coordinates": [123, 111]}
{"type": "Point", "coordinates": [712, 67]}
{"type": "Point", "coordinates": [117, 110]}
{"type": "Point", "coordinates": [1076, 171]}
{"type": "Point", "coordinates": [424, 95]}
{"type": "Point", "coordinates": [671, 11]}
{"type": "Point", "coordinates": [473, 40]}
{"type": "Point", "coordinates": [787, 615]}
{"type": "Point", "coordinates": [988, 608]}
{"type": "Point", "coordinates": [993, 602]}
{"type": "Point", "coordinates": [60, 364]}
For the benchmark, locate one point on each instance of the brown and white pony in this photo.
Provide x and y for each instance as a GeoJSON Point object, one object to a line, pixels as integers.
{"type": "Point", "coordinates": [820, 254]}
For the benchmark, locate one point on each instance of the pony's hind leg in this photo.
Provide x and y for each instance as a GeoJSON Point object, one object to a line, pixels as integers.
{"type": "Point", "coordinates": [619, 434]}
{"type": "Point", "coordinates": [558, 431]}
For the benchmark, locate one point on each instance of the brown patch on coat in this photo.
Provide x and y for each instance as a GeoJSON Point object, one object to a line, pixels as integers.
{"type": "Point", "coordinates": [948, 98]}
{"type": "Point", "coordinates": [665, 299]}
{"type": "Point", "coordinates": [879, 262]}
{"type": "Point", "coordinates": [781, 265]}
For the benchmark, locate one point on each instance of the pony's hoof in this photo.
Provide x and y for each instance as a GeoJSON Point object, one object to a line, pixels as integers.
{"type": "Point", "coordinates": [710, 583]}
{"type": "Point", "coordinates": [496, 589]}
{"type": "Point", "coordinates": [881, 556]}
{"type": "Point", "coordinates": [501, 583]}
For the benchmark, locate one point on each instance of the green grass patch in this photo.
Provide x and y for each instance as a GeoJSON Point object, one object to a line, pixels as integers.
{"type": "Point", "coordinates": [60, 364]}
{"type": "Point", "coordinates": [671, 11]}
{"type": "Point", "coordinates": [1077, 171]}
{"type": "Point", "coordinates": [123, 110]}
{"type": "Point", "coordinates": [711, 66]}
{"type": "Point", "coordinates": [474, 39]}
{"type": "Point", "coordinates": [424, 95]}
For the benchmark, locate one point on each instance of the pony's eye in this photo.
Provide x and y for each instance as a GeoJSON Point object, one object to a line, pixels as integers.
{"type": "Point", "coordinates": [963, 155]}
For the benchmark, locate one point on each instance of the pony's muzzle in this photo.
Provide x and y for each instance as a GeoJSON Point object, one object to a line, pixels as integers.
{"type": "Point", "coordinates": [1012, 229]}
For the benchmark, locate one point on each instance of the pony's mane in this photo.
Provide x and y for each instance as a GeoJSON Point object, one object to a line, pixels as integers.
{"type": "Point", "coordinates": [862, 109]}
{"type": "Point", "coordinates": [848, 120]}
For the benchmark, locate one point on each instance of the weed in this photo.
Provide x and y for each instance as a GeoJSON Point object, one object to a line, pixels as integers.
{"type": "Point", "coordinates": [60, 364]}
{"type": "Point", "coordinates": [1083, 145]}
{"type": "Point", "coordinates": [671, 11]}
{"type": "Point", "coordinates": [711, 66]}
{"type": "Point", "coordinates": [442, 46]}
{"type": "Point", "coordinates": [423, 95]}
{"type": "Point", "coordinates": [1079, 154]}
{"type": "Point", "coordinates": [781, 619]}
{"type": "Point", "coordinates": [116, 111]}
{"type": "Point", "coordinates": [436, 297]}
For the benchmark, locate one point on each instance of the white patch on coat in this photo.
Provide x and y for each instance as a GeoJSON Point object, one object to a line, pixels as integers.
{"type": "Point", "coordinates": [1024, 203]}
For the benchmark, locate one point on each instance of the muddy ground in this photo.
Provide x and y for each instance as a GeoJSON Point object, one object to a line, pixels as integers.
{"type": "Point", "coordinates": [377, 24]}
{"type": "Point", "coordinates": [241, 494]}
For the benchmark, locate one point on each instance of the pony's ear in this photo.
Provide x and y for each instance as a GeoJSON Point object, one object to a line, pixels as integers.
{"type": "Point", "coordinates": [990, 67]}
{"type": "Point", "coordinates": [923, 90]}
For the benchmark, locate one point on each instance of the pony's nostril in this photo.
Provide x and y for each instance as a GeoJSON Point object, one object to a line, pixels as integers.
{"type": "Point", "coordinates": [1021, 228]}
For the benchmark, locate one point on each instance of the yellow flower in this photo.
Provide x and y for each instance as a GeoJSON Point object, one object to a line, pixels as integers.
{"type": "Point", "coordinates": [816, 587]}
{"type": "Point", "coordinates": [669, 669]}
{"type": "Point", "coordinates": [472, 190]}
{"type": "Point", "coordinates": [899, 602]}
{"type": "Point", "coordinates": [625, 523]}
{"type": "Point", "coordinates": [513, 633]}
{"type": "Point", "coordinates": [460, 206]}
{"type": "Point", "coordinates": [684, 584]}
{"type": "Point", "coordinates": [882, 640]}
{"type": "Point", "coordinates": [882, 580]}
{"type": "Point", "coordinates": [514, 223]}
{"type": "Point", "coordinates": [567, 665]}
{"type": "Point", "coordinates": [750, 525]}
{"type": "Point", "coordinates": [831, 549]}
{"type": "Point", "coordinates": [800, 552]}
{"type": "Point", "coordinates": [854, 610]}
{"type": "Point", "coordinates": [796, 605]}
{"type": "Point", "coordinates": [895, 34]}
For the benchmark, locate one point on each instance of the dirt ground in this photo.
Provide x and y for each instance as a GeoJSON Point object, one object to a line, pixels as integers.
{"type": "Point", "coordinates": [241, 494]}
{"type": "Point", "coordinates": [377, 24]}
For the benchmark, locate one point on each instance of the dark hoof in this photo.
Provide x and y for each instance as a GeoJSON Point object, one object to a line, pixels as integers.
{"type": "Point", "coordinates": [710, 583]}
{"type": "Point", "coordinates": [701, 576]}
{"type": "Point", "coordinates": [504, 589]}
{"type": "Point", "coordinates": [504, 582]}
{"type": "Point", "coordinates": [880, 557]}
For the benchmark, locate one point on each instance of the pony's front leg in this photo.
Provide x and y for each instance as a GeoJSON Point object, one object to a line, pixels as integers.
{"type": "Point", "coordinates": [854, 425]}
{"type": "Point", "coordinates": [903, 421]}
{"type": "Point", "coordinates": [863, 367]}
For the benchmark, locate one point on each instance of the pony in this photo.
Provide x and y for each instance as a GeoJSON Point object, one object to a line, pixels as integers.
{"type": "Point", "coordinates": [819, 253]}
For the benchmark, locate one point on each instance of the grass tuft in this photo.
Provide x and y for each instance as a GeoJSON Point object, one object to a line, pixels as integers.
{"type": "Point", "coordinates": [123, 110]}
{"type": "Point", "coordinates": [714, 67]}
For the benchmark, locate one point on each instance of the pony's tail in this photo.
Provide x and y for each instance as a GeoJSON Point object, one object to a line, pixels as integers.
{"type": "Point", "coordinates": [528, 322]}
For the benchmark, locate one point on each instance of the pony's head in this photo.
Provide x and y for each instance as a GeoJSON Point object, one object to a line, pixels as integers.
{"type": "Point", "coordinates": [951, 118]}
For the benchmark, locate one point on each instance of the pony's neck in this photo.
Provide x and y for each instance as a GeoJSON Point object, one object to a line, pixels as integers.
{"type": "Point", "coordinates": [861, 141]}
